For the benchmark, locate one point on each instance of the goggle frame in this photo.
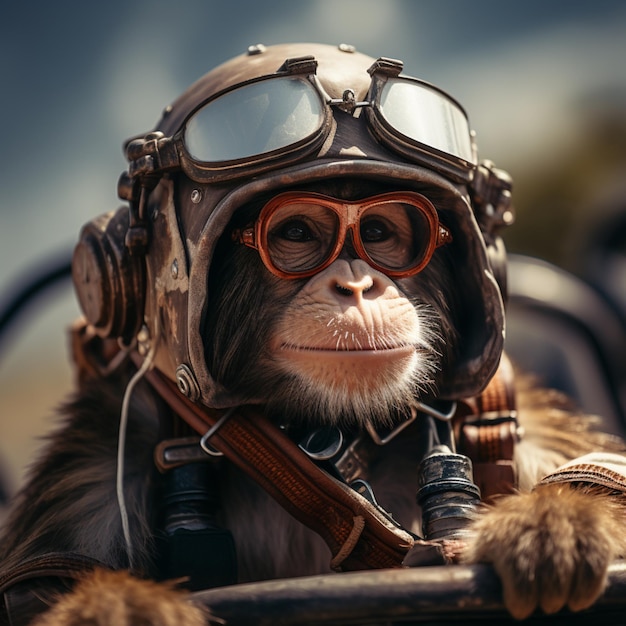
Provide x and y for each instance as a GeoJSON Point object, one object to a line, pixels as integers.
{"type": "Point", "coordinates": [349, 214]}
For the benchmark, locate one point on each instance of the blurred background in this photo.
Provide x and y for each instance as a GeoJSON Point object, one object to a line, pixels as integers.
{"type": "Point", "coordinates": [544, 84]}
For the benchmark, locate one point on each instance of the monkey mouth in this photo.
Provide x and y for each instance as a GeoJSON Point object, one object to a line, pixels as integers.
{"type": "Point", "coordinates": [354, 369]}
{"type": "Point", "coordinates": [385, 352]}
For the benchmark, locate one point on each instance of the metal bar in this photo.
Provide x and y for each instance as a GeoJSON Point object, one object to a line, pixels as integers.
{"type": "Point", "coordinates": [427, 595]}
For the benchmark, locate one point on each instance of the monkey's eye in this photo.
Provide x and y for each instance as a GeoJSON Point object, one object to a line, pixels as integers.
{"type": "Point", "coordinates": [294, 230]}
{"type": "Point", "coordinates": [374, 230]}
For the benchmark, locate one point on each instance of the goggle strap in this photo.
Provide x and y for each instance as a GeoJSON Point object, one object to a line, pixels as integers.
{"type": "Point", "coordinates": [299, 65]}
{"type": "Point", "coordinates": [386, 66]}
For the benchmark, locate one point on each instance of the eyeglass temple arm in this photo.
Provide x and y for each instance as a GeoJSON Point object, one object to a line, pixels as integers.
{"type": "Point", "coordinates": [245, 236]}
{"type": "Point", "coordinates": [444, 236]}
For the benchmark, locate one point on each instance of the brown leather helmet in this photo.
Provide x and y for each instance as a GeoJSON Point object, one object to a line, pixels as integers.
{"type": "Point", "coordinates": [268, 120]}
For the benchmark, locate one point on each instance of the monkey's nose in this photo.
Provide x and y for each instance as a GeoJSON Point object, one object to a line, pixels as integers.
{"type": "Point", "coordinates": [354, 287]}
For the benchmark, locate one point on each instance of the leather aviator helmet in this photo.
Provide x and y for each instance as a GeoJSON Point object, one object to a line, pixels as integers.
{"type": "Point", "coordinates": [268, 120]}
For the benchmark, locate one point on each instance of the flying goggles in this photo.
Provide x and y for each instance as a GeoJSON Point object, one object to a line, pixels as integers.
{"type": "Point", "coordinates": [298, 234]}
{"type": "Point", "coordinates": [277, 120]}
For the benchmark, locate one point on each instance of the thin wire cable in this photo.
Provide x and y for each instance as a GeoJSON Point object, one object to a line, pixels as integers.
{"type": "Point", "coordinates": [121, 444]}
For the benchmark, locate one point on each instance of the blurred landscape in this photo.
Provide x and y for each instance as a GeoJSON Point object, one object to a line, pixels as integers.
{"type": "Point", "coordinates": [543, 82]}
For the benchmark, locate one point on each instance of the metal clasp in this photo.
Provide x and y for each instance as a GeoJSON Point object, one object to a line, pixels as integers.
{"type": "Point", "coordinates": [348, 102]}
{"type": "Point", "coordinates": [204, 442]}
{"type": "Point", "coordinates": [440, 415]}
{"type": "Point", "coordinates": [382, 440]}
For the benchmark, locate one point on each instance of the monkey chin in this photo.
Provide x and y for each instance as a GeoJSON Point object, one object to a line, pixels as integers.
{"type": "Point", "coordinates": [352, 386]}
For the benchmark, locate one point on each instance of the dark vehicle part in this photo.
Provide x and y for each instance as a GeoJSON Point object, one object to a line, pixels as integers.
{"type": "Point", "coordinates": [451, 594]}
{"type": "Point", "coordinates": [31, 285]}
{"type": "Point", "coordinates": [562, 330]}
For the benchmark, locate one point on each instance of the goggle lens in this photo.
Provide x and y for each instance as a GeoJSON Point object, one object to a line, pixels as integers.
{"type": "Point", "coordinates": [255, 119]}
{"type": "Point", "coordinates": [395, 235]}
{"type": "Point", "coordinates": [426, 116]}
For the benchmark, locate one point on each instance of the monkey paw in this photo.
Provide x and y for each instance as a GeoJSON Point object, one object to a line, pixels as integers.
{"type": "Point", "coordinates": [551, 548]}
{"type": "Point", "coordinates": [106, 598]}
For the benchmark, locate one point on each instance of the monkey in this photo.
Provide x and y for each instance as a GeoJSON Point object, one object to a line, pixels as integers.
{"type": "Point", "coordinates": [346, 340]}
{"type": "Point", "coordinates": [258, 314]}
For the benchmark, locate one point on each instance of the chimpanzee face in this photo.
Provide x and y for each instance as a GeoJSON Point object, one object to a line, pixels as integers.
{"type": "Point", "coordinates": [347, 343]}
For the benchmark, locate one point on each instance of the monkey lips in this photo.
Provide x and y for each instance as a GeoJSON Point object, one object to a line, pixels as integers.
{"type": "Point", "coordinates": [348, 367]}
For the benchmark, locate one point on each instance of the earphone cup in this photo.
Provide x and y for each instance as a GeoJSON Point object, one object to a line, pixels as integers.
{"type": "Point", "coordinates": [108, 280]}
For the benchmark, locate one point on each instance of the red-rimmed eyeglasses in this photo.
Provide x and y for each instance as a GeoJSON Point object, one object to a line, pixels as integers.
{"type": "Point", "coordinates": [299, 234]}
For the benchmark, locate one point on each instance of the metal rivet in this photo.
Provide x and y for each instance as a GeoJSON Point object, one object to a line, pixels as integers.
{"type": "Point", "coordinates": [143, 340]}
{"type": "Point", "coordinates": [174, 268]}
{"type": "Point", "coordinates": [187, 384]}
{"type": "Point", "coordinates": [196, 196]}
{"type": "Point", "coordinates": [257, 48]}
{"type": "Point", "coordinates": [143, 334]}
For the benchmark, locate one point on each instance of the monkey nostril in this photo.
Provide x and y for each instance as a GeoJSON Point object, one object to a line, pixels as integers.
{"type": "Point", "coordinates": [344, 291]}
{"type": "Point", "coordinates": [352, 289]}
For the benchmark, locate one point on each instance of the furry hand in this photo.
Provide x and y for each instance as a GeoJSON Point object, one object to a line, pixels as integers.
{"type": "Point", "coordinates": [551, 547]}
{"type": "Point", "coordinates": [106, 598]}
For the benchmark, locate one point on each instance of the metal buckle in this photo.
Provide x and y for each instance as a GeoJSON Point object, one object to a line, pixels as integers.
{"type": "Point", "coordinates": [204, 442]}
{"type": "Point", "coordinates": [440, 415]}
{"type": "Point", "coordinates": [382, 440]}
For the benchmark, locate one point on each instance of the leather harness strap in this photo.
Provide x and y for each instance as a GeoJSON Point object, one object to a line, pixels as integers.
{"type": "Point", "coordinates": [358, 534]}
{"type": "Point", "coordinates": [489, 434]}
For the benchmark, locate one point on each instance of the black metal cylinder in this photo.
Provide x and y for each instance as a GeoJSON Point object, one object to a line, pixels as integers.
{"type": "Point", "coordinates": [190, 544]}
{"type": "Point", "coordinates": [446, 494]}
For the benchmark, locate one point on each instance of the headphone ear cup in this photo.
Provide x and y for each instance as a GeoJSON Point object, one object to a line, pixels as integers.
{"type": "Point", "coordinates": [108, 279]}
